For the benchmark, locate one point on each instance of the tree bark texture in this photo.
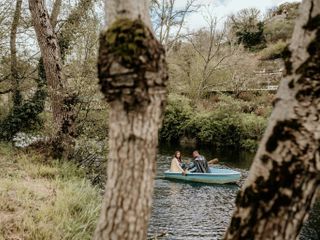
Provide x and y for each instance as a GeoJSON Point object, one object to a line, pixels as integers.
{"type": "Point", "coordinates": [50, 52]}
{"type": "Point", "coordinates": [13, 49]}
{"type": "Point", "coordinates": [133, 78]}
{"type": "Point", "coordinates": [62, 102]}
{"type": "Point", "coordinates": [285, 175]}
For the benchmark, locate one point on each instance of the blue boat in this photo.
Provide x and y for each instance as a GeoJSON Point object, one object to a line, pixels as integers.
{"type": "Point", "coordinates": [216, 175]}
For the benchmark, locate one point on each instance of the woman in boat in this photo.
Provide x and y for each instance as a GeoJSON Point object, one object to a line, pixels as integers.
{"type": "Point", "coordinates": [176, 164]}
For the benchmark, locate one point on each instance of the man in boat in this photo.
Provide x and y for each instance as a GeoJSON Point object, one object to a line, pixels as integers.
{"type": "Point", "coordinates": [199, 163]}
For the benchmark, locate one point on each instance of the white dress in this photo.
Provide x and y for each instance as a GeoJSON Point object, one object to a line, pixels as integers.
{"type": "Point", "coordinates": [175, 166]}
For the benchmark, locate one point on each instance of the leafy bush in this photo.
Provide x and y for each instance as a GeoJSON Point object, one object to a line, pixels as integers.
{"type": "Point", "coordinates": [219, 132]}
{"type": "Point", "coordinates": [273, 51]}
{"type": "Point", "coordinates": [252, 126]}
{"type": "Point", "coordinates": [25, 114]}
{"type": "Point", "coordinates": [252, 39]}
{"type": "Point", "coordinates": [178, 111]}
{"type": "Point", "coordinates": [225, 125]}
{"type": "Point", "coordinates": [249, 144]}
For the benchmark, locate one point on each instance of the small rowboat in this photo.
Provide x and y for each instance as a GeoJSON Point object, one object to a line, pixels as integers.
{"type": "Point", "coordinates": [216, 175]}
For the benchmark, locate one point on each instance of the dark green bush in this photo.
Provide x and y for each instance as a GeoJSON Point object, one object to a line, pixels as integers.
{"type": "Point", "coordinates": [218, 132]}
{"type": "Point", "coordinates": [178, 112]}
{"type": "Point", "coordinates": [25, 115]}
{"type": "Point", "coordinates": [252, 39]}
{"type": "Point", "coordinates": [225, 126]}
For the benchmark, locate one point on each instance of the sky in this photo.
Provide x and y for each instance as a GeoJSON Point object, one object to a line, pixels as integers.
{"type": "Point", "coordinates": [223, 8]}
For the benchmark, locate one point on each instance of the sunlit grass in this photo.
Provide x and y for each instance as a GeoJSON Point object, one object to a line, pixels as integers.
{"type": "Point", "coordinates": [44, 200]}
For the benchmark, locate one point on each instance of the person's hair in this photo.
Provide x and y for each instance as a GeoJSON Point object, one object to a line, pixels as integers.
{"type": "Point", "coordinates": [175, 155]}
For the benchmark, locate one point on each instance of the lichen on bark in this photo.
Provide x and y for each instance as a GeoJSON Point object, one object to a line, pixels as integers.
{"type": "Point", "coordinates": [131, 63]}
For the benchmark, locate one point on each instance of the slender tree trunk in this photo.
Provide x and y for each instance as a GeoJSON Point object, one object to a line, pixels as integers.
{"type": "Point", "coordinates": [50, 52]}
{"type": "Point", "coordinates": [285, 175]}
{"type": "Point", "coordinates": [62, 103]}
{"type": "Point", "coordinates": [14, 63]}
{"type": "Point", "coordinates": [55, 13]}
{"type": "Point", "coordinates": [133, 77]}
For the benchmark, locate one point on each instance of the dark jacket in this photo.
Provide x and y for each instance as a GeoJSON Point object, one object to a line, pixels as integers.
{"type": "Point", "coordinates": [199, 164]}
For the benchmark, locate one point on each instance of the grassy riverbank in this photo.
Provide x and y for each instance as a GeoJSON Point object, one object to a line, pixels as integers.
{"type": "Point", "coordinates": [44, 200]}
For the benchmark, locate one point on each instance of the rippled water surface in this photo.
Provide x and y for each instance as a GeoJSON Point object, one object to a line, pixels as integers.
{"type": "Point", "coordinates": [191, 211]}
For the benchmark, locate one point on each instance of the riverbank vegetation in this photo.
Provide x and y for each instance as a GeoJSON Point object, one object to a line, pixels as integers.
{"type": "Point", "coordinates": [229, 122]}
{"type": "Point", "coordinates": [44, 199]}
{"type": "Point", "coordinates": [222, 83]}
{"type": "Point", "coordinates": [216, 75]}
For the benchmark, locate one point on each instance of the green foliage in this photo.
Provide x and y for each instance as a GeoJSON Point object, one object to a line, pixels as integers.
{"type": "Point", "coordinates": [252, 126]}
{"type": "Point", "coordinates": [252, 38]}
{"type": "Point", "coordinates": [25, 116]}
{"type": "Point", "coordinates": [213, 130]}
{"type": "Point", "coordinates": [178, 111]}
{"type": "Point", "coordinates": [226, 125]}
{"type": "Point", "coordinates": [249, 144]}
{"type": "Point", "coordinates": [22, 118]}
{"type": "Point", "coordinates": [273, 51]}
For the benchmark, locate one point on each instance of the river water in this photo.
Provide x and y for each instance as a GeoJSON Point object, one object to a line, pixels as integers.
{"type": "Point", "coordinates": [190, 211]}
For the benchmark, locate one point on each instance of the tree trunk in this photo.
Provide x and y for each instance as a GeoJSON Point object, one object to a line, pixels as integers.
{"type": "Point", "coordinates": [133, 77]}
{"type": "Point", "coordinates": [50, 52]}
{"type": "Point", "coordinates": [62, 103]}
{"type": "Point", "coordinates": [14, 63]}
{"type": "Point", "coordinates": [285, 175]}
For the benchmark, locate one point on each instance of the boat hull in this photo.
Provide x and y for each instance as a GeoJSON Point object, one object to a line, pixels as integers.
{"type": "Point", "coordinates": [215, 176]}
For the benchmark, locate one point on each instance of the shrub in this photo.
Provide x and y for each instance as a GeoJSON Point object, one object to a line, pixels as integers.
{"type": "Point", "coordinates": [252, 126]}
{"type": "Point", "coordinates": [252, 39]}
{"type": "Point", "coordinates": [211, 128]}
{"type": "Point", "coordinates": [249, 144]}
{"type": "Point", "coordinates": [279, 29]}
{"type": "Point", "coordinates": [178, 111]}
{"type": "Point", "coordinates": [224, 125]}
{"type": "Point", "coordinates": [273, 51]}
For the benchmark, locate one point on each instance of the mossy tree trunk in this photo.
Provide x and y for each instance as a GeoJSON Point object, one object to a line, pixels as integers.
{"type": "Point", "coordinates": [285, 175]}
{"type": "Point", "coordinates": [62, 102]}
{"type": "Point", "coordinates": [133, 77]}
{"type": "Point", "coordinates": [13, 49]}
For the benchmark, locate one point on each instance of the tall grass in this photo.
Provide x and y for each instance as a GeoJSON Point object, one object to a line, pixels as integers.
{"type": "Point", "coordinates": [40, 200]}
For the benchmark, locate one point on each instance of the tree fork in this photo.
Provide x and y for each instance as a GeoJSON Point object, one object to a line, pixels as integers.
{"type": "Point", "coordinates": [285, 175]}
{"type": "Point", "coordinates": [133, 77]}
